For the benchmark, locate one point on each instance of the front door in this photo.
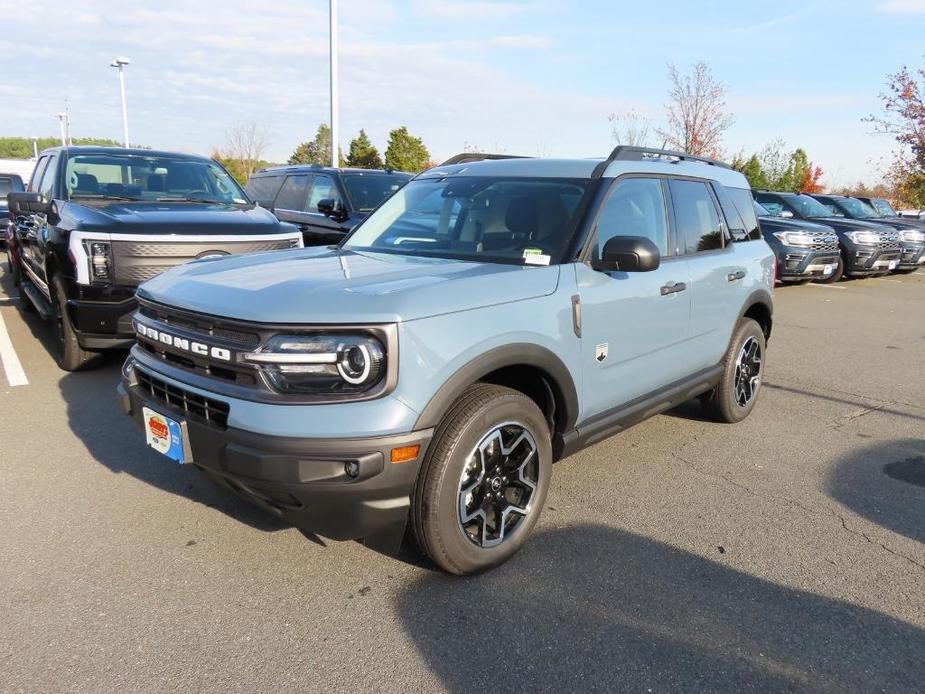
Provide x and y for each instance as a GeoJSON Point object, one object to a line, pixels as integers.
{"type": "Point", "coordinates": [634, 324]}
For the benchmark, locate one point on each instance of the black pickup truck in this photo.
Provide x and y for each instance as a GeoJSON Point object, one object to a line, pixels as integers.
{"type": "Point", "coordinates": [95, 222]}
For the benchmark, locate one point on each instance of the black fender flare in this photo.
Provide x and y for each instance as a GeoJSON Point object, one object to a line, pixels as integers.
{"type": "Point", "coordinates": [516, 354]}
{"type": "Point", "coordinates": [763, 298]}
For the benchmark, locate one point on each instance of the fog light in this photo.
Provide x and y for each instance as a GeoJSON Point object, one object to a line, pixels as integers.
{"type": "Point", "coordinates": [352, 468]}
{"type": "Point", "coordinates": [405, 453]}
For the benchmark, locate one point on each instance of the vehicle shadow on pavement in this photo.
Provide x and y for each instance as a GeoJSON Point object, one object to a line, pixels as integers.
{"type": "Point", "coordinates": [113, 440]}
{"type": "Point", "coordinates": [885, 483]}
{"type": "Point", "coordinates": [590, 608]}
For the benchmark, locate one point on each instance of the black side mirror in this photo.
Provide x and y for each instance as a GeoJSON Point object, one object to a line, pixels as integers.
{"type": "Point", "coordinates": [331, 208]}
{"type": "Point", "coordinates": [628, 254]}
{"type": "Point", "coordinates": [28, 203]}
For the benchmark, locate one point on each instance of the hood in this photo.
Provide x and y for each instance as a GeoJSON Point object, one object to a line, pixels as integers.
{"type": "Point", "coordinates": [169, 217]}
{"type": "Point", "coordinates": [782, 224]}
{"type": "Point", "coordinates": [328, 285]}
{"type": "Point", "coordinates": [843, 224]}
{"type": "Point", "coordinates": [904, 222]}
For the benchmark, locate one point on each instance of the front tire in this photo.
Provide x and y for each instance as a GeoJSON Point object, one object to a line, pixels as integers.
{"type": "Point", "coordinates": [72, 357]}
{"type": "Point", "coordinates": [836, 275]}
{"type": "Point", "coordinates": [743, 368]}
{"type": "Point", "coordinates": [482, 487]}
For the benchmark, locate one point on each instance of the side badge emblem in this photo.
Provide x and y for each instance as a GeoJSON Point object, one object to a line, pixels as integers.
{"type": "Point", "coordinates": [600, 352]}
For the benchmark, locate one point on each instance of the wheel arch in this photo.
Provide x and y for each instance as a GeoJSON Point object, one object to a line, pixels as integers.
{"type": "Point", "coordinates": [535, 371]}
{"type": "Point", "coordinates": [758, 307]}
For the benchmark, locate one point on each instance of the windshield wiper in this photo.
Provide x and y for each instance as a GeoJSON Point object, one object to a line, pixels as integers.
{"type": "Point", "coordinates": [189, 199]}
{"type": "Point", "coordinates": [92, 196]}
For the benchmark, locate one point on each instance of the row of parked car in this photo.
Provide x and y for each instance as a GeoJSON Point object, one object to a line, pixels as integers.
{"type": "Point", "coordinates": [824, 238]}
{"type": "Point", "coordinates": [488, 317]}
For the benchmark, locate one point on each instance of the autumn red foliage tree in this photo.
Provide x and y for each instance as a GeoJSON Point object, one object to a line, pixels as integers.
{"type": "Point", "coordinates": [812, 176]}
{"type": "Point", "coordinates": [903, 117]}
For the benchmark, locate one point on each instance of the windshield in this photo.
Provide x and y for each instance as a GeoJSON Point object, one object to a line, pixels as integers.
{"type": "Point", "coordinates": [883, 207]}
{"type": "Point", "coordinates": [487, 219]}
{"type": "Point", "coordinates": [810, 207]}
{"type": "Point", "coordinates": [9, 184]}
{"type": "Point", "coordinates": [857, 209]}
{"type": "Point", "coordinates": [762, 211]}
{"type": "Point", "coordinates": [367, 191]}
{"type": "Point", "coordinates": [140, 177]}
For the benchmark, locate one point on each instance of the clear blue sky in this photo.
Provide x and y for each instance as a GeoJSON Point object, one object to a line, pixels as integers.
{"type": "Point", "coordinates": [523, 76]}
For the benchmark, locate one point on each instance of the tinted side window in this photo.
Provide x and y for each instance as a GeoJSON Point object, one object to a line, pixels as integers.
{"type": "Point", "coordinates": [37, 174]}
{"type": "Point", "coordinates": [323, 187]}
{"type": "Point", "coordinates": [47, 184]}
{"type": "Point", "coordinates": [698, 223]}
{"type": "Point", "coordinates": [744, 204]}
{"type": "Point", "coordinates": [292, 194]}
{"type": "Point", "coordinates": [635, 207]}
{"type": "Point", "coordinates": [263, 189]}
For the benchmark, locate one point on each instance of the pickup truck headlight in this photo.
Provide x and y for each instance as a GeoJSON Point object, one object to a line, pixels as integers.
{"type": "Point", "coordinates": [99, 257]}
{"type": "Point", "coordinates": [912, 235]}
{"type": "Point", "coordinates": [323, 363]}
{"type": "Point", "coordinates": [795, 238]}
{"type": "Point", "coordinates": [863, 237]}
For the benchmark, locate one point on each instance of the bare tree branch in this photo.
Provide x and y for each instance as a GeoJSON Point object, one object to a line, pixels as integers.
{"type": "Point", "coordinates": [246, 142]}
{"type": "Point", "coordinates": [630, 128]}
{"type": "Point", "coordinates": [696, 110]}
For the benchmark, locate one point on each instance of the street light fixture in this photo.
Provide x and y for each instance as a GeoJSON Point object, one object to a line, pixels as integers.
{"type": "Point", "coordinates": [120, 63]}
{"type": "Point", "coordinates": [334, 124]}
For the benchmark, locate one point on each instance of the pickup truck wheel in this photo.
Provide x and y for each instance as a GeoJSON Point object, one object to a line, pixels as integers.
{"type": "Point", "coordinates": [72, 356]}
{"type": "Point", "coordinates": [743, 367]}
{"type": "Point", "coordinates": [484, 482]}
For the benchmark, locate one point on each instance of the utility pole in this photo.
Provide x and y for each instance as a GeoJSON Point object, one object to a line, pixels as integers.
{"type": "Point", "coordinates": [335, 130]}
{"type": "Point", "coordinates": [120, 63]}
{"type": "Point", "coordinates": [62, 117]}
{"type": "Point", "coordinates": [35, 147]}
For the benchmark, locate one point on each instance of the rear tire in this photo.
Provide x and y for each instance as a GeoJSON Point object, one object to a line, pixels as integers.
{"type": "Point", "coordinates": [72, 357]}
{"type": "Point", "coordinates": [735, 395]}
{"type": "Point", "coordinates": [835, 276]}
{"type": "Point", "coordinates": [484, 481]}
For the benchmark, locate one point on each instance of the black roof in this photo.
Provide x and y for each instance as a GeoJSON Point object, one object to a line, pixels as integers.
{"type": "Point", "coordinates": [287, 168]}
{"type": "Point", "coordinates": [99, 149]}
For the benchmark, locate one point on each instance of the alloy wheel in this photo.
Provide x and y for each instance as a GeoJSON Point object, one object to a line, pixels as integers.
{"type": "Point", "coordinates": [748, 372]}
{"type": "Point", "coordinates": [498, 484]}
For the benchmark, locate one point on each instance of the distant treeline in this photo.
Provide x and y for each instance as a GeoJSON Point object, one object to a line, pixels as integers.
{"type": "Point", "coordinates": [21, 147]}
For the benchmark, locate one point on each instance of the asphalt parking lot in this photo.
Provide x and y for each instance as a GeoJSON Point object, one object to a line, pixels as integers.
{"type": "Point", "coordinates": [784, 553]}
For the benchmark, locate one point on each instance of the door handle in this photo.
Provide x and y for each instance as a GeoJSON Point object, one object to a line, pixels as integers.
{"type": "Point", "coordinates": [673, 288]}
{"type": "Point", "coordinates": [737, 275]}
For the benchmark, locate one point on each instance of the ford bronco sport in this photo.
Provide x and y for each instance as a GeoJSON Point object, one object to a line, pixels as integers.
{"type": "Point", "coordinates": [98, 221]}
{"type": "Point", "coordinates": [489, 318]}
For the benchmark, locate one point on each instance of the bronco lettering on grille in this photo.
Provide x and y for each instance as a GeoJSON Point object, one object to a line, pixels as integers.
{"type": "Point", "coordinates": [182, 344]}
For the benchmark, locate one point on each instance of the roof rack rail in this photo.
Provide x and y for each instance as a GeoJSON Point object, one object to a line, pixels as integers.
{"type": "Point", "coordinates": [467, 157]}
{"type": "Point", "coordinates": [628, 153]}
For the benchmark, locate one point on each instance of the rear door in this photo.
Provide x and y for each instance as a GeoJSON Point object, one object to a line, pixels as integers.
{"type": "Point", "coordinates": [30, 226]}
{"type": "Point", "coordinates": [289, 205]}
{"type": "Point", "coordinates": [633, 324]}
{"type": "Point", "coordinates": [716, 272]}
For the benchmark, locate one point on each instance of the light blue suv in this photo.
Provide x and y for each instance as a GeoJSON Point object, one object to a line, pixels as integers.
{"type": "Point", "coordinates": [493, 316]}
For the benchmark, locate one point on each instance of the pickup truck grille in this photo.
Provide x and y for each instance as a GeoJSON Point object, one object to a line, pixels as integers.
{"type": "Point", "coordinates": [138, 261]}
{"type": "Point", "coordinates": [192, 404]}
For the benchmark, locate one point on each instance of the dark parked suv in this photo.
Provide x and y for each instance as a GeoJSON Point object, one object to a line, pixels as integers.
{"type": "Point", "coordinates": [324, 203]}
{"type": "Point", "coordinates": [805, 251]}
{"type": "Point", "coordinates": [98, 221]}
{"type": "Point", "coordinates": [867, 248]}
{"type": "Point", "coordinates": [911, 231]}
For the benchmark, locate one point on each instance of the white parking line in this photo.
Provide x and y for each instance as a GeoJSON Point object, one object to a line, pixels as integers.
{"type": "Point", "coordinates": [825, 286]}
{"type": "Point", "coordinates": [883, 279]}
{"type": "Point", "coordinates": [12, 367]}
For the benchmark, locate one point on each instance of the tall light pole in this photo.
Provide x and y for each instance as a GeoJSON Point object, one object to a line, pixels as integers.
{"type": "Point", "coordinates": [120, 63]}
{"type": "Point", "coordinates": [35, 147]}
{"type": "Point", "coordinates": [62, 118]}
{"type": "Point", "coordinates": [335, 134]}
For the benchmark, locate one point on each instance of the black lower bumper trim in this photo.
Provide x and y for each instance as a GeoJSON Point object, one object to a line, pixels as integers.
{"type": "Point", "coordinates": [304, 481]}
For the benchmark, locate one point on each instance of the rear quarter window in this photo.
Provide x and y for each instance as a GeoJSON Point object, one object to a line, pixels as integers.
{"type": "Point", "coordinates": [263, 189]}
{"type": "Point", "coordinates": [743, 202]}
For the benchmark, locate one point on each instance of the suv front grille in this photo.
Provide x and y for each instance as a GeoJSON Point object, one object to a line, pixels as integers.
{"type": "Point", "coordinates": [824, 241]}
{"type": "Point", "coordinates": [192, 404]}
{"type": "Point", "coordinates": [889, 241]}
{"type": "Point", "coordinates": [205, 326]}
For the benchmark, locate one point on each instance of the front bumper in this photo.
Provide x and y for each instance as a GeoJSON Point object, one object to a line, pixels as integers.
{"type": "Point", "coordinates": [913, 256]}
{"type": "Point", "coordinates": [861, 260]}
{"type": "Point", "coordinates": [303, 481]}
{"type": "Point", "coordinates": [795, 263]}
{"type": "Point", "coordinates": [103, 324]}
